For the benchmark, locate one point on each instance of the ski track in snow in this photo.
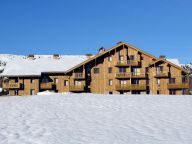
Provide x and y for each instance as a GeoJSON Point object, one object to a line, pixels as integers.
{"type": "Point", "coordinates": [96, 119]}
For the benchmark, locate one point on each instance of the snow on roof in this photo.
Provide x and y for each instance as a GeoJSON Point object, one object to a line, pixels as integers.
{"type": "Point", "coordinates": [174, 61]}
{"type": "Point", "coordinates": [21, 65]}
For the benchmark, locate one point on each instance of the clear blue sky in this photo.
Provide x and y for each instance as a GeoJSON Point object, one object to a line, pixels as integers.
{"type": "Point", "coordinates": [83, 26]}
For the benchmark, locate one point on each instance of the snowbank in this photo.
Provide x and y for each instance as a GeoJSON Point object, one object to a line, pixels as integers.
{"type": "Point", "coordinates": [96, 119]}
{"type": "Point", "coordinates": [46, 93]}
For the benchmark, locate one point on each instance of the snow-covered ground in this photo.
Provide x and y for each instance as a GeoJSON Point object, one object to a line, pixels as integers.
{"type": "Point", "coordinates": [96, 119]}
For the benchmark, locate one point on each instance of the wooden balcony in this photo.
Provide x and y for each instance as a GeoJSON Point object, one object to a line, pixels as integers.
{"type": "Point", "coordinates": [161, 74]}
{"type": "Point", "coordinates": [178, 86]}
{"type": "Point", "coordinates": [79, 76]}
{"type": "Point", "coordinates": [77, 88]}
{"type": "Point", "coordinates": [47, 86]}
{"type": "Point", "coordinates": [11, 85]}
{"type": "Point", "coordinates": [127, 63]}
{"type": "Point", "coordinates": [131, 87]}
{"type": "Point", "coordinates": [130, 75]}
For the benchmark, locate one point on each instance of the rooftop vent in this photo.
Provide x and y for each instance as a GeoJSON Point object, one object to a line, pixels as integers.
{"type": "Point", "coordinates": [56, 56]}
{"type": "Point", "coordinates": [119, 42]}
{"type": "Point", "coordinates": [31, 57]}
{"type": "Point", "coordinates": [101, 50]}
{"type": "Point", "coordinates": [162, 56]}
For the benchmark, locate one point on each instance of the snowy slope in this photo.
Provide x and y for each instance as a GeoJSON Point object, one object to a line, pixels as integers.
{"type": "Point", "coordinates": [96, 119]}
{"type": "Point", "coordinates": [20, 65]}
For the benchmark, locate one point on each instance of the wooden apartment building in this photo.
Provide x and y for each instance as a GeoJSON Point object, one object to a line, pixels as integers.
{"type": "Point", "coordinates": [121, 69]}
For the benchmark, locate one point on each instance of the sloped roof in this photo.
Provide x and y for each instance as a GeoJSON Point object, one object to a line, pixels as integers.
{"type": "Point", "coordinates": [130, 46]}
{"type": "Point", "coordinates": [170, 63]}
{"type": "Point", "coordinates": [20, 65]}
{"type": "Point", "coordinates": [110, 49]}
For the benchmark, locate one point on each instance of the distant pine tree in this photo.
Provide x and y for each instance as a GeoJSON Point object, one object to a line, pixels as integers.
{"type": "Point", "coordinates": [188, 67]}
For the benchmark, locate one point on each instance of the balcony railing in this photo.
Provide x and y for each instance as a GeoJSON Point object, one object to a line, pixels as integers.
{"type": "Point", "coordinates": [178, 85]}
{"type": "Point", "coordinates": [131, 87]}
{"type": "Point", "coordinates": [78, 76]}
{"type": "Point", "coordinates": [130, 75]}
{"type": "Point", "coordinates": [76, 88]}
{"type": "Point", "coordinates": [162, 74]}
{"type": "Point", "coordinates": [11, 85]}
{"type": "Point", "coordinates": [48, 85]}
{"type": "Point", "coordinates": [127, 63]}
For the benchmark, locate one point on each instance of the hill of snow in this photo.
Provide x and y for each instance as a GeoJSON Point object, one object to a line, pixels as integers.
{"type": "Point", "coordinates": [20, 65]}
{"type": "Point", "coordinates": [96, 119]}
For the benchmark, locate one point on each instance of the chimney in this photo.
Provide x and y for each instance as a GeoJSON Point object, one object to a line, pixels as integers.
{"type": "Point", "coordinates": [89, 56]}
{"type": "Point", "coordinates": [119, 42]}
{"type": "Point", "coordinates": [56, 56]}
{"type": "Point", "coordinates": [162, 56]}
{"type": "Point", "coordinates": [101, 50]}
{"type": "Point", "coordinates": [31, 57]}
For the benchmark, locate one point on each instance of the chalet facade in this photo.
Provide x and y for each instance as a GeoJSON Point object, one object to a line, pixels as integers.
{"type": "Point", "coordinates": [121, 69]}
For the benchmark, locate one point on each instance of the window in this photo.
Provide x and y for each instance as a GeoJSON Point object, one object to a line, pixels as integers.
{"type": "Point", "coordinates": [172, 92]}
{"type": "Point", "coordinates": [123, 82]}
{"type": "Point", "coordinates": [55, 80]}
{"type": "Point", "coordinates": [32, 81]}
{"type": "Point", "coordinates": [158, 81]}
{"type": "Point", "coordinates": [131, 57]}
{"type": "Point", "coordinates": [159, 68]}
{"type": "Point", "coordinates": [146, 70]}
{"type": "Point", "coordinates": [135, 81]}
{"type": "Point", "coordinates": [184, 79]}
{"type": "Point", "coordinates": [110, 70]}
{"type": "Point", "coordinates": [16, 92]}
{"type": "Point", "coordinates": [45, 79]}
{"type": "Point", "coordinates": [122, 70]}
{"type": "Point", "coordinates": [32, 92]}
{"type": "Point", "coordinates": [66, 82]}
{"type": "Point", "coordinates": [77, 83]}
{"type": "Point", "coordinates": [171, 80]}
{"type": "Point", "coordinates": [16, 80]}
{"type": "Point", "coordinates": [110, 58]}
{"type": "Point", "coordinates": [136, 92]}
{"type": "Point", "coordinates": [110, 82]}
{"type": "Point", "coordinates": [136, 71]}
{"type": "Point", "coordinates": [147, 81]}
{"type": "Point", "coordinates": [121, 58]}
{"type": "Point", "coordinates": [96, 70]}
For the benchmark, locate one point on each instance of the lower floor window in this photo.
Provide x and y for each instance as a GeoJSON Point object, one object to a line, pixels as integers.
{"type": "Point", "coordinates": [32, 92]}
{"type": "Point", "coordinates": [172, 92]}
{"type": "Point", "coordinates": [136, 92]}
